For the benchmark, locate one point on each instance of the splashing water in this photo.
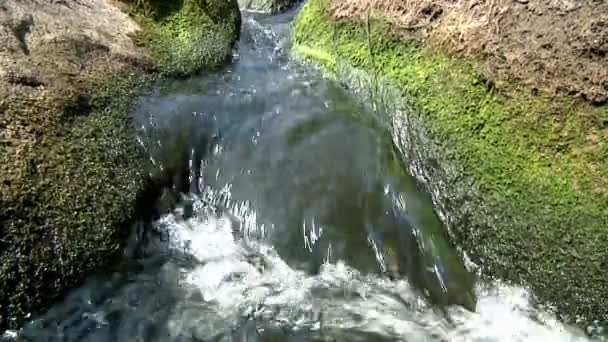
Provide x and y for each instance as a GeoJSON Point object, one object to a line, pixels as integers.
{"type": "Point", "coordinates": [295, 228]}
{"type": "Point", "coordinates": [231, 278]}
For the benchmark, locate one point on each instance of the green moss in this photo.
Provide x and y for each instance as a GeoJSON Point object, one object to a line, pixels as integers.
{"type": "Point", "coordinates": [326, 60]}
{"type": "Point", "coordinates": [187, 36]}
{"type": "Point", "coordinates": [537, 163]}
{"type": "Point", "coordinates": [69, 215]}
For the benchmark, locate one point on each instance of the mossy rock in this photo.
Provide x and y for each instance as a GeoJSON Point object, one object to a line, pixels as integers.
{"type": "Point", "coordinates": [517, 177]}
{"type": "Point", "coordinates": [71, 174]}
{"type": "Point", "coordinates": [187, 36]}
{"type": "Point", "coordinates": [67, 214]}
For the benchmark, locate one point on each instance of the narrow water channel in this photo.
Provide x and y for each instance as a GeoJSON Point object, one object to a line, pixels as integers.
{"type": "Point", "coordinates": [299, 224]}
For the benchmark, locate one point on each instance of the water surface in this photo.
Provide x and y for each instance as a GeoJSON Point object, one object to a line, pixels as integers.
{"type": "Point", "coordinates": [298, 223]}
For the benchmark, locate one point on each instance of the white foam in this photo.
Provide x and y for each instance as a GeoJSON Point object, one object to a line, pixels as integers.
{"type": "Point", "coordinates": [345, 298]}
{"type": "Point", "coordinates": [9, 335]}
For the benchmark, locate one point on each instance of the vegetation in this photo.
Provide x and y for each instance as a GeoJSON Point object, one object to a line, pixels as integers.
{"type": "Point", "coordinates": [68, 214]}
{"type": "Point", "coordinates": [188, 35]}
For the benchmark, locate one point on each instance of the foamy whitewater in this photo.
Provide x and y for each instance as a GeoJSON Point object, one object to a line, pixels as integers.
{"type": "Point", "coordinates": [242, 276]}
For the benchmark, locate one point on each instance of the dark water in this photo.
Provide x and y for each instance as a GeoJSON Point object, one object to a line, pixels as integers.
{"type": "Point", "coordinates": [299, 224]}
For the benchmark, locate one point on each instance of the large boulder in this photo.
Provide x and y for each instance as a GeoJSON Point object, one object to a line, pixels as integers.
{"type": "Point", "coordinates": [70, 171]}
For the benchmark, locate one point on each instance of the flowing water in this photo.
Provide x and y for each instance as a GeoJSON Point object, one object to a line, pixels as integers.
{"type": "Point", "coordinates": [298, 223]}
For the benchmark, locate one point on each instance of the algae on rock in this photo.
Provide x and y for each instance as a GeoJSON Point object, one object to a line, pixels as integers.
{"type": "Point", "coordinates": [189, 35]}
{"type": "Point", "coordinates": [70, 170]}
{"type": "Point", "coordinates": [522, 194]}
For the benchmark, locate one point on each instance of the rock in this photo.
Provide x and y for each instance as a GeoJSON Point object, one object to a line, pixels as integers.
{"type": "Point", "coordinates": [266, 6]}
{"type": "Point", "coordinates": [70, 171]}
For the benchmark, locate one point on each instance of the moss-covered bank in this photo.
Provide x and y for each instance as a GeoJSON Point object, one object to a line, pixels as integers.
{"type": "Point", "coordinates": [519, 179]}
{"type": "Point", "coordinates": [186, 36]}
{"type": "Point", "coordinates": [70, 171]}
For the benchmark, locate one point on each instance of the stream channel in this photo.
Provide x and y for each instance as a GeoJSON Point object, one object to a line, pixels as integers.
{"type": "Point", "coordinates": [300, 223]}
